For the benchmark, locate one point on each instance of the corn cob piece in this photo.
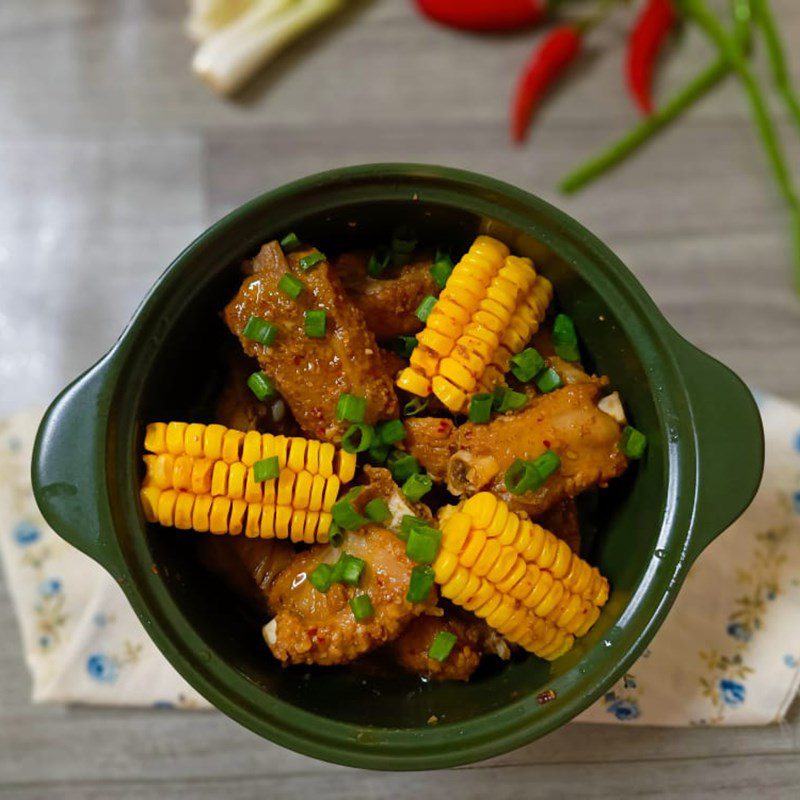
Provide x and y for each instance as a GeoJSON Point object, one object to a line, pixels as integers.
{"type": "Point", "coordinates": [526, 583]}
{"type": "Point", "coordinates": [202, 477]}
{"type": "Point", "coordinates": [489, 302]}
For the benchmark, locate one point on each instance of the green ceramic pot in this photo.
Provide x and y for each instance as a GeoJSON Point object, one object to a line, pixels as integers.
{"type": "Point", "coordinates": [701, 470]}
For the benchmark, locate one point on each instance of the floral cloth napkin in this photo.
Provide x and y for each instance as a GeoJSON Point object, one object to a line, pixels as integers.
{"type": "Point", "coordinates": [728, 654]}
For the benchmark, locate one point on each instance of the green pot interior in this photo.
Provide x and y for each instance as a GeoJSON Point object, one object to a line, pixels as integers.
{"type": "Point", "coordinates": [179, 372]}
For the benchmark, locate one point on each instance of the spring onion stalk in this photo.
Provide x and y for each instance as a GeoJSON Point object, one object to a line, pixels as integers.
{"type": "Point", "coordinates": [681, 101]}
{"type": "Point", "coordinates": [208, 16]}
{"type": "Point", "coordinates": [232, 56]}
{"type": "Point", "coordinates": [730, 49]}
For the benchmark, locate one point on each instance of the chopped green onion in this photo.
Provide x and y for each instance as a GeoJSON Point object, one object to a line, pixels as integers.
{"type": "Point", "coordinates": [403, 346]}
{"type": "Point", "coordinates": [420, 585]}
{"type": "Point", "coordinates": [266, 469]}
{"type": "Point", "coordinates": [378, 261]}
{"type": "Point", "coordinates": [423, 544]}
{"type": "Point", "coordinates": [348, 569]}
{"type": "Point", "coordinates": [344, 514]}
{"type": "Point", "coordinates": [335, 535]}
{"type": "Point", "coordinates": [290, 286]}
{"type": "Point", "coordinates": [410, 523]}
{"type": "Point", "coordinates": [509, 400]}
{"type": "Point", "coordinates": [404, 242]}
{"type": "Point", "coordinates": [391, 432]}
{"type": "Point", "coordinates": [378, 452]}
{"type": "Point", "coordinates": [442, 645]}
{"type": "Point", "coordinates": [377, 510]}
{"type": "Point", "coordinates": [565, 338]}
{"type": "Point", "coordinates": [527, 365]}
{"type": "Point", "coordinates": [480, 408]}
{"type": "Point", "coordinates": [290, 242]}
{"type": "Point", "coordinates": [522, 476]}
{"type": "Point", "coordinates": [315, 322]}
{"type": "Point", "coordinates": [402, 465]}
{"type": "Point", "coordinates": [361, 607]}
{"type": "Point", "coordinates": [546, 464]}
{"type": "Point", "coordinates": [425, 308]}
{"type": "Point", "coordinates": [351, 408]}
{"type": "Point", "coordinates": [417, 486]}
{"type": "Point", "coordinates": [358, 438]}
{"type": "Point", "coordinates": [311, 260]}
{"type": "Point", "coordinates": [321, 577]}
{"type": "Point", "coordinates": [548, 380]}
{"type": "Point", "coordinates": [415, 406]}
{"type": "Point", "coordinates": [633, 442]}
{"type": "Point", "coordinates": [441, 269]}
{"type": "Point", "coordinates": [259, 330]}
{"type": "Point", "coordinates": [261, 386]}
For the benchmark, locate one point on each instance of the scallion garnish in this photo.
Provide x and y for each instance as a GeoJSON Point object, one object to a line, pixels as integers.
{"type": "Point", "coordinates": [311, 260]}
{"type": "Point", "coordinates": [266, 469]}
{"type": "Point", "coordinates": [480, 408]}
{"type": "Point", "coordinates": [348, 569]}
{"type": "Point", "coordinates": [378, 452]}
{"type": "Point", "coordinates": [417, 486]}
{"type": "Point", "coordinates": [321, 577]}
{"type": "Point", "coordinates": [441, 268]}
{"type": "Point", "coordinates": [391, 432]}
{"type": "Point", "coordinates": [351, 408]}
{"type": "Point", "coordinates": [345, 515]}
{"type": "Point", "coordinates": [290, 286]}
{"type": "Point", "coordinates": [260, 330]}
{"type": "Point", "coordinates": [358, 438]}
{"type": "Point", "coordinates": [442, 645]}
{"type": "Point", "coordinates": [415, 406]}
{"type": "Point", "coordinates": [290, 242]}
{"type": "Point", "coordinates": [522, 476]}
{"type": "Point", "coordinates": [261, 386]}
{"type": "Point", "coordinates": [403, 345]}
{"type": "Point", "coordinates": [546, 464]}
{"type": "Point", "coordinates": [402, 465]}
{"type": "Point", "coordinates": [548, 380]}
{"type": "Point", "coordinates": [565, 338]}
{"type": "Point", "coordinates": [378, 261]}
{"type": "Point", "coordinates": [361, 607]}
{"type": "Point", "coordinates": [423, 544]}
{"type": "Point", "coordinates": [335, 535]}
{"type": "Point", "coordinates": [425, 307]}
{"type": "Point", "coordinates": [527, 365]}
{"type": "Point", "coordinates": [377, 510]}
{"type": "Point", "coordinates": [315, 322]}
{"type": "Point", "coordinates": [404, 242]}
{"type": "Point", "coordinates": [633, 442]}
{"type": "Point", "coordinates": [420, 585]}
{"type": "Point", "coordinates": [508, 400]}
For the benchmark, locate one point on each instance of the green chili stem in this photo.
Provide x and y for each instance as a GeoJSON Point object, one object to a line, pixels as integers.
{"type": "Point", "coordinates": [762, 12]}
{"type": "Point", "coordinates": [706, 80]}
{"type": "Point", "coordinates": [730, 49]}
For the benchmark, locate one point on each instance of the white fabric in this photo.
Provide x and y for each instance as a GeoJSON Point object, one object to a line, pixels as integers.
{"type": "Point", "coordinates": [728, 654]}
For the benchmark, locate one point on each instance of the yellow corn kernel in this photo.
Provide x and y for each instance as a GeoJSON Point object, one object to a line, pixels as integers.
{"type": "Point", "coordinates": [237, 475]}
{"type": "Point", "coordinates": [163, 470]}
{"type": "Point", "coordinates": [270, 492]}
{"type": "Point", "coordinates": [232, 445]}
{"type": "Point", "coordinates": [176, 437]}
{"type": "Point", "coordinates": [312, 456]}
{"type": "Point", "coordinates": [296, 460]}
{"type": "Point", "coordinates": [236, 520]}
{"type": "Point", "coordinates": [489, 320]}
{"type": "Point", "coordinates": [324, 527]}
{"type": "Point", "coordinates": [155, 437]}
{"type": "Point", "coordinates": [297, 526]}
{"type": "Point", "coordinates": [302, 490]}
{"type": "Point", "coordinates": [467, 358]}
{"type": "Point", "coordinates": [201, 513]}
{"type": "Point", "coordinates": [310, 529]}
{"type": "Point", "coordinates": [445, 305]}
{"type": "Point", "coordinates": [346, 469]}
{"type": "Point", "coordinates": [453, 397]}
{"type": "Point", "coordinates": [251, 448]}
{"type": "Point", "coordinates": [317, 492]}
{"type": "Point", "coordinates": [193, 439]}
{"type": "Point", "coordinates": [457, 374]}
{"type": "Point", "coordinates": [326, 454]}
{"type": "Point", "coordinates": [443, 325]}
{"type": "Point", "coordinates": [149, 496]}
{"type": "Point", "coordinates": [220, 514]}
{"type": "Point", "coordinates": [202, 470]}
{"type": "Point", "coordinates": [332, 486]}
{"type": "Point", "coordinates": [281, 449]}
{"type": "Point", "coordinates": [252, 529]}
{"type": "Point", "coordinates": [436, 342]}
{"type": "Point", "coordinates": [253, 490]}
{"type": "Point", "coordinates": [424, 361]}
{"type": "Point", "coordinates": [268, 522]}
{"type": "Point", "coordinates": [414, 382]}
{"type": "Point", "coordinates": [166, 506]}
{"type": "Point", "coordinates": [184, 506]}
{"type": "Point", "coordinates": [182, 473]}
{"type": "Point", "coordinates": [484, 567]}
{"type": "Point", "coordinates": [219, 479]}
{"type": "Point", "coordinates": [212, 442]}
{"type": "Point", "coordinates": [283, 519]}
{"type": "Point", "coordinates": [286, 487]}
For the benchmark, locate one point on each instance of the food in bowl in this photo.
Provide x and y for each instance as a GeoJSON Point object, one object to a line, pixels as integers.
{"type": "Point", "coordinates": [396, 458]}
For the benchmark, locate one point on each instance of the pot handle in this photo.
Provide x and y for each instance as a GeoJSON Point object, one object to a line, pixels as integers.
{"type": "Point", "coordinates": [68, 468]}
{"type": "Point", "coordinates": [729, 443]}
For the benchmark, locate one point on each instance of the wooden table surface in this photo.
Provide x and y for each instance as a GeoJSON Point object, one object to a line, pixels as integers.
{"type": "Point", "coordinates": [112, 157]}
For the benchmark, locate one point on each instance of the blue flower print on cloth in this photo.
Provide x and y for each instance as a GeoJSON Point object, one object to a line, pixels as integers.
{"type": "Point", "coordinates": [624, 709]}
{"type": "Point", "coordinates": [50, 587]}
{"type": "Point", "coordinates": [732, 692]}
{"type": "Point", "coordinates": [25, 534]}
{"type": "Point", "coordinates": [739, 631]}
{"type": "Point", "coordinates": [102, 668]}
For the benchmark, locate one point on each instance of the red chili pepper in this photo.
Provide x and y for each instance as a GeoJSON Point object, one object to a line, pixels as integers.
{"type": "Point", "coordinates": [649, 33]}
{"type": "Point", "coordinates": [557, 51]}
{"type": "Point", "coordinates": [484, 15]}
